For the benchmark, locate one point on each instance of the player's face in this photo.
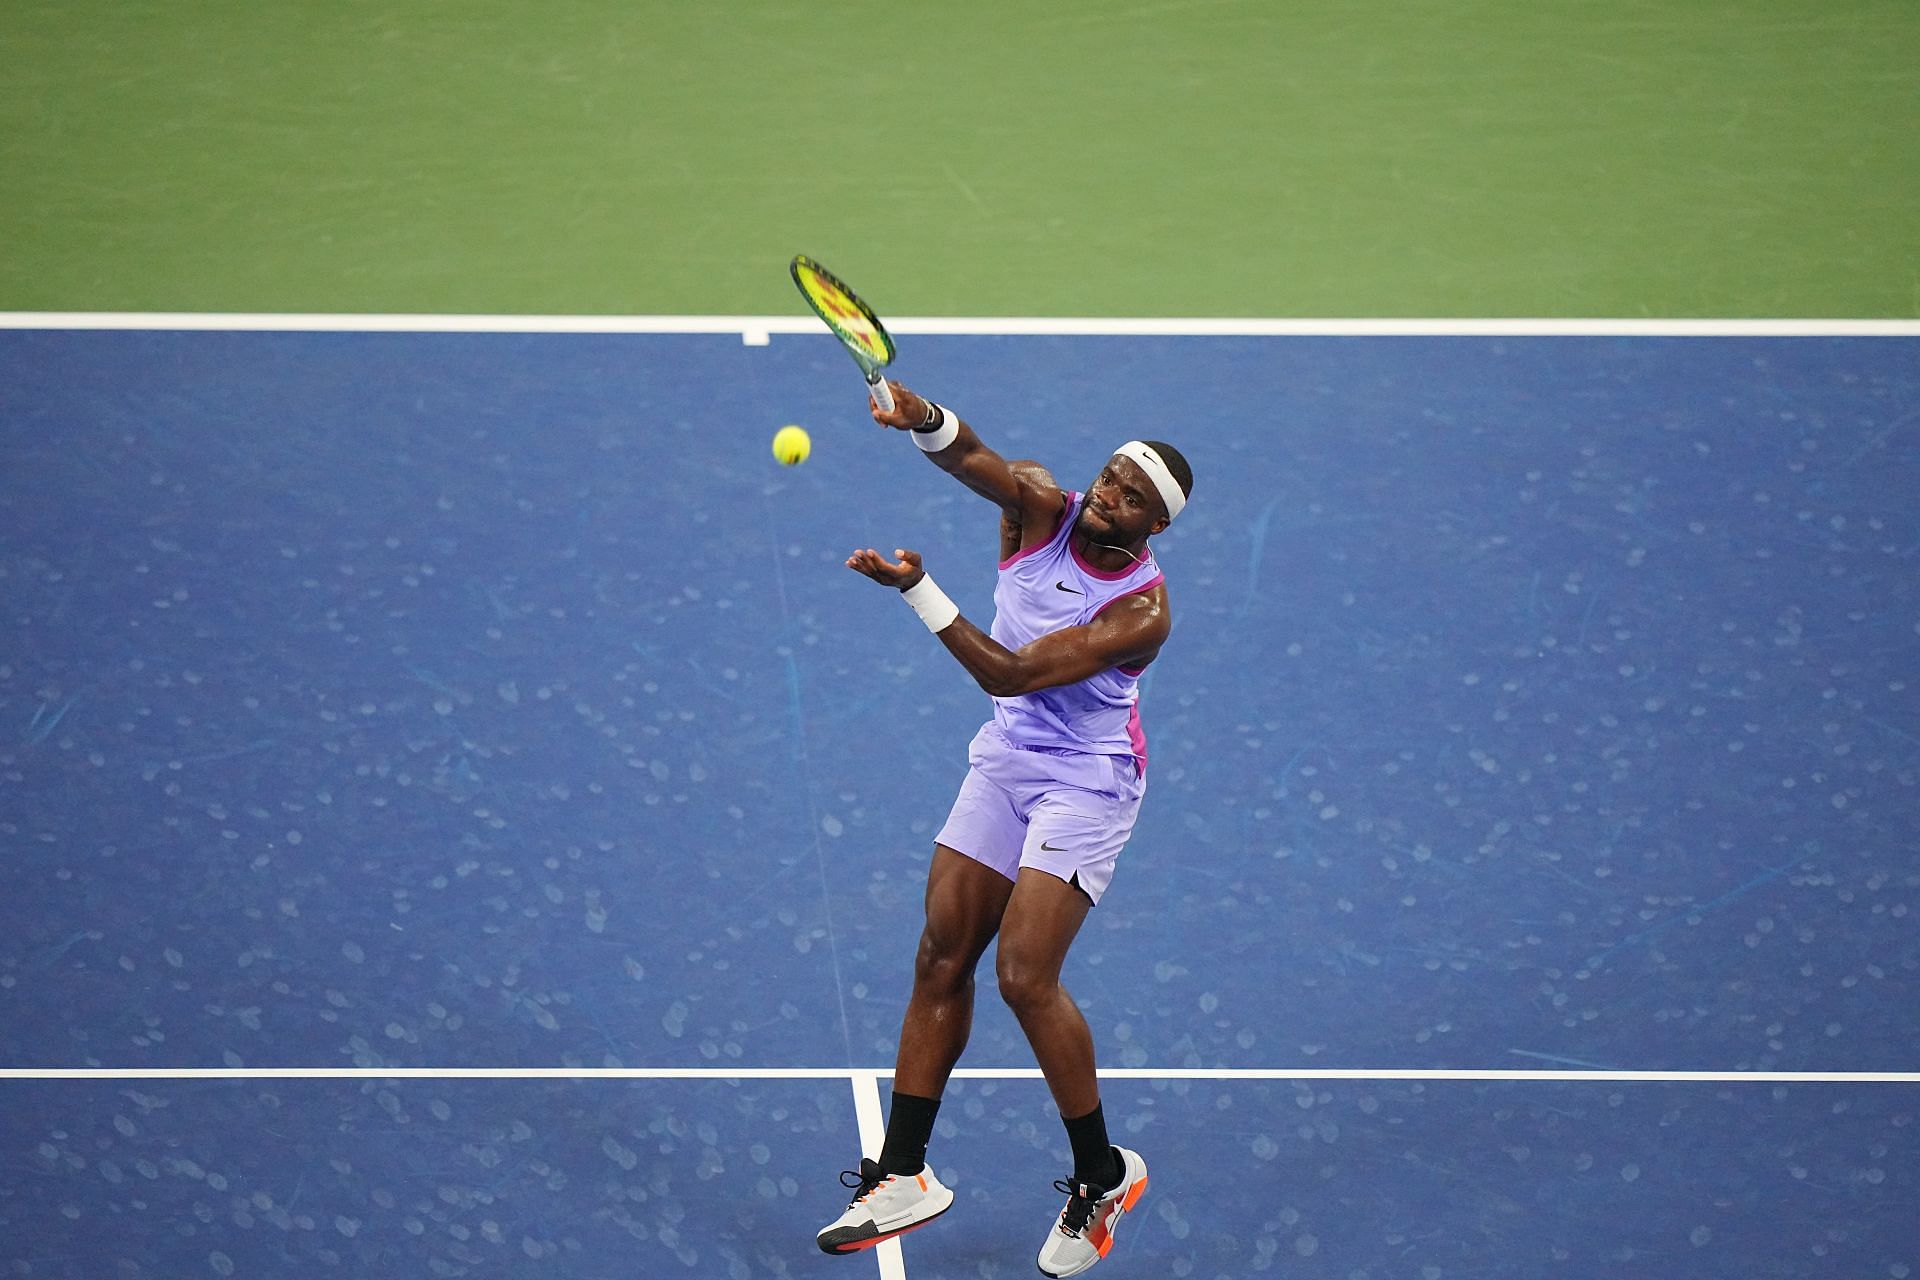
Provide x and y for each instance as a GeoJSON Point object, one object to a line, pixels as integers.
{"type": "Point", "coordinates": [1121, 505]}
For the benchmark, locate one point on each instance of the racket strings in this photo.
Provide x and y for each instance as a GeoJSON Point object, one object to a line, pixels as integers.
{"type": "Point", "coordinates": [845, 317]}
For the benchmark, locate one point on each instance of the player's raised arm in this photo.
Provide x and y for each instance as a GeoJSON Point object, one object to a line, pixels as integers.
{"type": "Point", "coordinates": [1028, 495]}
{"type": "Point", "coordinates": [1013, 531]}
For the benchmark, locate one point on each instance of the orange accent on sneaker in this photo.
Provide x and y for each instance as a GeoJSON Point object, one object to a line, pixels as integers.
{"type": "Point", "coordinates": [923, 1180]}
{"type": "Point", "coordinates": [1100, 1236]}
{"type": "Point", "coordinates": [862, 1199]}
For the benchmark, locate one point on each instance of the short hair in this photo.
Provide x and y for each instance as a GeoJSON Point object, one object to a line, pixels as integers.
{"type": "Point", "coordinates": [1176, 463]}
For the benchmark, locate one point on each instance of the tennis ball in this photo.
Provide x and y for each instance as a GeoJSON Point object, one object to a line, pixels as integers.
{"type": "Point", "coordinates": [791, 445]}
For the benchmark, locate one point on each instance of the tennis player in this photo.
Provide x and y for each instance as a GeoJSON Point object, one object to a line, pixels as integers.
{"type": "Point", "coordinates": [1054, 784]}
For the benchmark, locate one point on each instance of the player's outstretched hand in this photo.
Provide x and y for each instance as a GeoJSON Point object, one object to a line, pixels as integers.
{"type": "Point", "coordinates": [900, 575]}
{"type": "Point", "coordinates": [909, 410]}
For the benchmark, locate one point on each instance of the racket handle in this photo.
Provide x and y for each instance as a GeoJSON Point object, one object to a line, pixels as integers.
{"type": "Point", "coordinates": [882, 395]}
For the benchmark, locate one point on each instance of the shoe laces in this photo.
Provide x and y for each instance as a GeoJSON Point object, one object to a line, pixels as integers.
{"type": "Point", "coordinates": [1081, 1199]}
{"type": "Point", "coordinates": [864, 1179]}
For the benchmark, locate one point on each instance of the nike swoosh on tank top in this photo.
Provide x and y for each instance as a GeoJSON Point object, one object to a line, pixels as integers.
{"type": "Point", "coordinates": [1044, 589]}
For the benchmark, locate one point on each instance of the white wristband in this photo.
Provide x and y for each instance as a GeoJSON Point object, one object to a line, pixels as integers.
{"type": "Point", "coordinates": [941, 436]}
{"type": "Point", "coordinates": [931, 603]}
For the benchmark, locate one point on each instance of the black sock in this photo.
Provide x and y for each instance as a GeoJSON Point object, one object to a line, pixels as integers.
{"type": "Point", "coordinates": [1093, 1156]}
{"type": "Point", "coordinates": [909, 1129]}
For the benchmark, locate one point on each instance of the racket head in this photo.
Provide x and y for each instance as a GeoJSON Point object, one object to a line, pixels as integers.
{"type": "Point", "coordinates": [851, 320]}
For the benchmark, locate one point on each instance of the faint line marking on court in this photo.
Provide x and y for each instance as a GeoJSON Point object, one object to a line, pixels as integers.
{"type": "Point", "coordinates": [965, 190]}
{"type": "Point", "coordinates": [1593, 602]}
{"type": "Point", "coordinates": [1540, 859]}
{"type": "Point", "coordinates": [1881, 436]}
{"type": "Point", "coordinates": [1565, 1062]}
{"type": "Point", "coordinates": [805, 760]}
{"type": "Point", "coordinates": [1898, 733]}
{"type": "Point", "coordinates": [1286, 772]}
{"type": "Point", "coordinates": [1256, 548]}
{"type": "Point", "coordinates": [1696, 912]}
{"type": "Point", "coordinates": [47, 955]}
{"type": "Point", "coordinates": [36, 731]}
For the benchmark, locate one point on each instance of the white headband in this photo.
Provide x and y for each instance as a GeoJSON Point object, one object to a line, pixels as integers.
{"type": "Point", "coordinates": [1149, 462]}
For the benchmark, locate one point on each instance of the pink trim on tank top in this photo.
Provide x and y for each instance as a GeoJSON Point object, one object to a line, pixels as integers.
{"type": "Point", "coordinates": [1138, 734]}
{"type": "Point", "coordinates": [1142, 589]}
{"type": "Point", "coordinates": [1148, 585]}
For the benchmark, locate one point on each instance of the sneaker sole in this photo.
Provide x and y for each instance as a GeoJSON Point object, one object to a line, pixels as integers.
{"type": "Point", "coordinates": [867, 1242]}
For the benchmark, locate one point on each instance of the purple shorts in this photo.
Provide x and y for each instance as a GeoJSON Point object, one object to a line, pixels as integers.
{"type": "Point", "coordinates": [1067, 813]}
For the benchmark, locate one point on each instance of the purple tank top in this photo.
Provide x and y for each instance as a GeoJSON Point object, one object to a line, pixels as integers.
{"type": "Point", "coordinates": [1044, 589]}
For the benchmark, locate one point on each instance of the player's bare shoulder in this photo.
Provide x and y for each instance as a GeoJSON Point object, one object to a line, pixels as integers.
{"type": "Point", "coordinates": [1149, 610]}
{"type": "Point", "coordinates": [1043, 503]}
{"type": "Point", "coordinates": [1137, 625]}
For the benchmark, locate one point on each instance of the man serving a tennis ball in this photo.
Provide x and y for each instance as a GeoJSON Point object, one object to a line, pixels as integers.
{"type": "Point", "coordinates": [1054, 786]}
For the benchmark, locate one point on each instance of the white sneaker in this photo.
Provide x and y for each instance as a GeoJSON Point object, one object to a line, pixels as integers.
{"type": "Point", "coordinates": [884, 1206]}
{"type": "Point", "coordinates": [1083, 1232]}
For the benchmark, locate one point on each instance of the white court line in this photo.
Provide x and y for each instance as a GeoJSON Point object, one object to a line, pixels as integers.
{"type": "Point", "coordinates": [755, 329]}
{"type": "Point", "coordinates": [864, 1078]}
{"type": "Point", "coordinates": [873, 1134]}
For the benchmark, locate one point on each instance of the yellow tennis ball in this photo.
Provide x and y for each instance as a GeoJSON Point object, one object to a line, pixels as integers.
{"type": "Point", "coordinates": [791, 445]}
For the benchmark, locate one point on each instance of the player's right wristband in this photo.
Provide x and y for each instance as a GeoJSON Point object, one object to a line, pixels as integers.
{"type": "Point", "coordinates": [931, 603]}
{"type": "Point", "coordinates": [941, 429]}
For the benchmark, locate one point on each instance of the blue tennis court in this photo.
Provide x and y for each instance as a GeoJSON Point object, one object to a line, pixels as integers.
{"type": "Point", "coordinates": [418, 700]}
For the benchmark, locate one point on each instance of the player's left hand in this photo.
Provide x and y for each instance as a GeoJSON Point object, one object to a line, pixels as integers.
{"type": "Point", "coordinates": [901, 574]}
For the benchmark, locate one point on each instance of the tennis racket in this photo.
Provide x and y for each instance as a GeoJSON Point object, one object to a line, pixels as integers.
{"type": "Point", "coordinates": [852, 321]}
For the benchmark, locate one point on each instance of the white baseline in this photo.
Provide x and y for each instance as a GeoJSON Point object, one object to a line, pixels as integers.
{"type": "Point", "coordinates": [755, 329]}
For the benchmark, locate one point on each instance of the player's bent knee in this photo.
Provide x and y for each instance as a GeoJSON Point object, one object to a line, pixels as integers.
{"type": "Point", "coordinates": [940, 967]}
{"type": "Point", "coordinates": [1024, 986]}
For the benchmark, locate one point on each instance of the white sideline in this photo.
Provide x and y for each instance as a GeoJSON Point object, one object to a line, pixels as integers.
{"type": "Point", "coordinates": [873, 1132]}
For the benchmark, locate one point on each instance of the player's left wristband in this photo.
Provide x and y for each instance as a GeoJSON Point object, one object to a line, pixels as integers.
{"type": "Point", "coordinates": [941, 429]}
{"type": "Point", "coordinates": [931, 603]}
